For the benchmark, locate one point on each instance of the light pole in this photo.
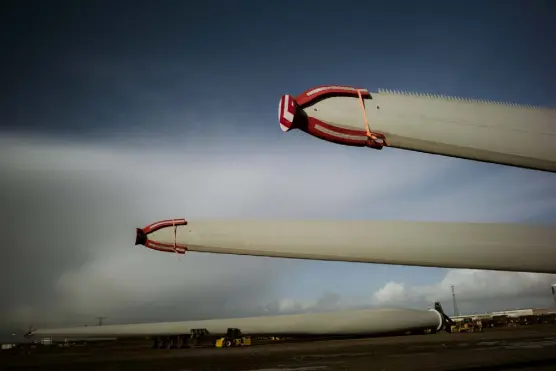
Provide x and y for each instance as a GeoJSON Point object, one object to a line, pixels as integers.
{"type": "Point", "coordinates": [456, 312]}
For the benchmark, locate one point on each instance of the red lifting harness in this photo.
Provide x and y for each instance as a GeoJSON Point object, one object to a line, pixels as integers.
{"type": "Point", "coordinates": [374, 140]}
{"type": "Point", "coordinates": [291, 117]}
{"type": "Point", "coordinates": [172, 247]}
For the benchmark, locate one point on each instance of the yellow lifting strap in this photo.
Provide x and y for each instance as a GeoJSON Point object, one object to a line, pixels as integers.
{"type": "Point", "coordinates": [175, 235]}
{"type": "Point", "coordinates": [374, 137]}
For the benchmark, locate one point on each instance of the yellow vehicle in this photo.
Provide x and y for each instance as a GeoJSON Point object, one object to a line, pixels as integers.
{"type": "Point", "coordinates": [467, 325]}
{"type": "Point", "coordinates": [233, 338]}
{"type": "Point", "coordinates": [223, 343]}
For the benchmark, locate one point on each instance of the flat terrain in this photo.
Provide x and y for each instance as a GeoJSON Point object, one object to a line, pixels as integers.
{"type": "Point", "coordinates": [522, 348]}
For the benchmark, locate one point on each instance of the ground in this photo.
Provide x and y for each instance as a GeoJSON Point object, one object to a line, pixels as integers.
{"type": "Point", "coordinates": [522, 348]}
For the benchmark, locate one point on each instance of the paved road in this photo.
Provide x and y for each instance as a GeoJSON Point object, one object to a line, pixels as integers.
{"type": "Point", "coordinates": [531, 348]}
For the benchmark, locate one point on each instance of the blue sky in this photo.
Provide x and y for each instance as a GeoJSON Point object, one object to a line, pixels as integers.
{"type": "Point", "coordinates": [168, 109]}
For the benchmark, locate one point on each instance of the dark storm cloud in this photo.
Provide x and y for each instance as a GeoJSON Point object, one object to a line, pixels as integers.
{"type": "Point", "coordinates": [68, 218]}
{"type": "Point", "coordinates": [51, 221]}
{"type": "Point", "coordinates": [70, 210]}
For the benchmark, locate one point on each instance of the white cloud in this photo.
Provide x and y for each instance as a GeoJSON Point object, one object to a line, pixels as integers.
{"type": "Point", "coordinates": [392, 292]}
{"type": "Point", "coordinates": [476, 291]}
{"type": "Point", "coordinates": [472, 287]}
{"type": "Point", "coordinates": [500, 194]}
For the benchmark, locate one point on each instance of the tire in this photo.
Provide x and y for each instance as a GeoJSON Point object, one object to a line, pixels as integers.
{"type": "Point", "coordinates": [155, 344]}
{"type": "Point", "coordinates": [170, 342]}
{"type": "Point", "coordinates": [180, 344]}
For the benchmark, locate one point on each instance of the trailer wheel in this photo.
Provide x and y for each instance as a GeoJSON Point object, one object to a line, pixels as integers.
{"type": "Point", "coordinates": [228, 343]}
{"type": "Point", "coordinates": [170, 342]}
{"type": "Point", "coordinates": [155, 343]}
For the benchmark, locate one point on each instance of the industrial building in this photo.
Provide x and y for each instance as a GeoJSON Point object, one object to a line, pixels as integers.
{"type": "Point", "coordinates": [512, 317]}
